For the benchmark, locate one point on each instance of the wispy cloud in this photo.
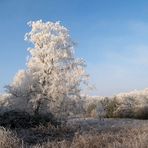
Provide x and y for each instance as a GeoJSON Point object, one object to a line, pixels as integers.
{"type": "Point", "coordinates": [124, 65]}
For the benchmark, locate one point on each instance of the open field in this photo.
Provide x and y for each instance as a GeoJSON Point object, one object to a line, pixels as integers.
{"type": "Point", "coordinates": [80, 133]}
{"type": "Point", "coordinates": [102, 124]}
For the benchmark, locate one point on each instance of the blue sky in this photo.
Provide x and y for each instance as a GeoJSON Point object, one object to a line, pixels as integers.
{"type": "Point", "coordinates": [111, 35]}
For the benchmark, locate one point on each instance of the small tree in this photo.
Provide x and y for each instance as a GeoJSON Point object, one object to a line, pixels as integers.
{"type": "Point", "coordinates": [53, 73]}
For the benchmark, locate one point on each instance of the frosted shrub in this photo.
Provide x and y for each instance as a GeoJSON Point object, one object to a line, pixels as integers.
{"type": "Point", "coordinates": [5, 102]}
{"type": "Point", "coordinates": [141, 112]}
{"type": "Point", "coordinates": [110, 106]}
{"type": "Point", "coordinates": [91, 110]}
{"type": "Point", "coordinates": [133, 104]}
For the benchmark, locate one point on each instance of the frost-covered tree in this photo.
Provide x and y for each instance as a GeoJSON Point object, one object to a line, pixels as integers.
{"type": "Point", "coordinates": [53, 75]}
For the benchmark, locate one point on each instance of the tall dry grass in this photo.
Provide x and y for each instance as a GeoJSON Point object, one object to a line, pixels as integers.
{"type": "Point", "coordinates": [111, 138]}
{"type": "Point", "coordinates": [125, 138]}
{"type": "Point", "coordinates": [8, 139]}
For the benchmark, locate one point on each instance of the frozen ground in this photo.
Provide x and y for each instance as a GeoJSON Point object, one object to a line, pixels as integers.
{"type": "Point", "coordinates": [102, 124]}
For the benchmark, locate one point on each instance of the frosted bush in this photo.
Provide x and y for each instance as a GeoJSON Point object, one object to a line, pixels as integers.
{"type": "Point", "coordinates": [133, 105]}
{"type": "Point", "coordinates": [5, 102]}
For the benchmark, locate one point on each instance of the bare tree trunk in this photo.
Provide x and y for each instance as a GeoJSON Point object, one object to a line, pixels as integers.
{"type": "Point", "coordinates": [36, 111]}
